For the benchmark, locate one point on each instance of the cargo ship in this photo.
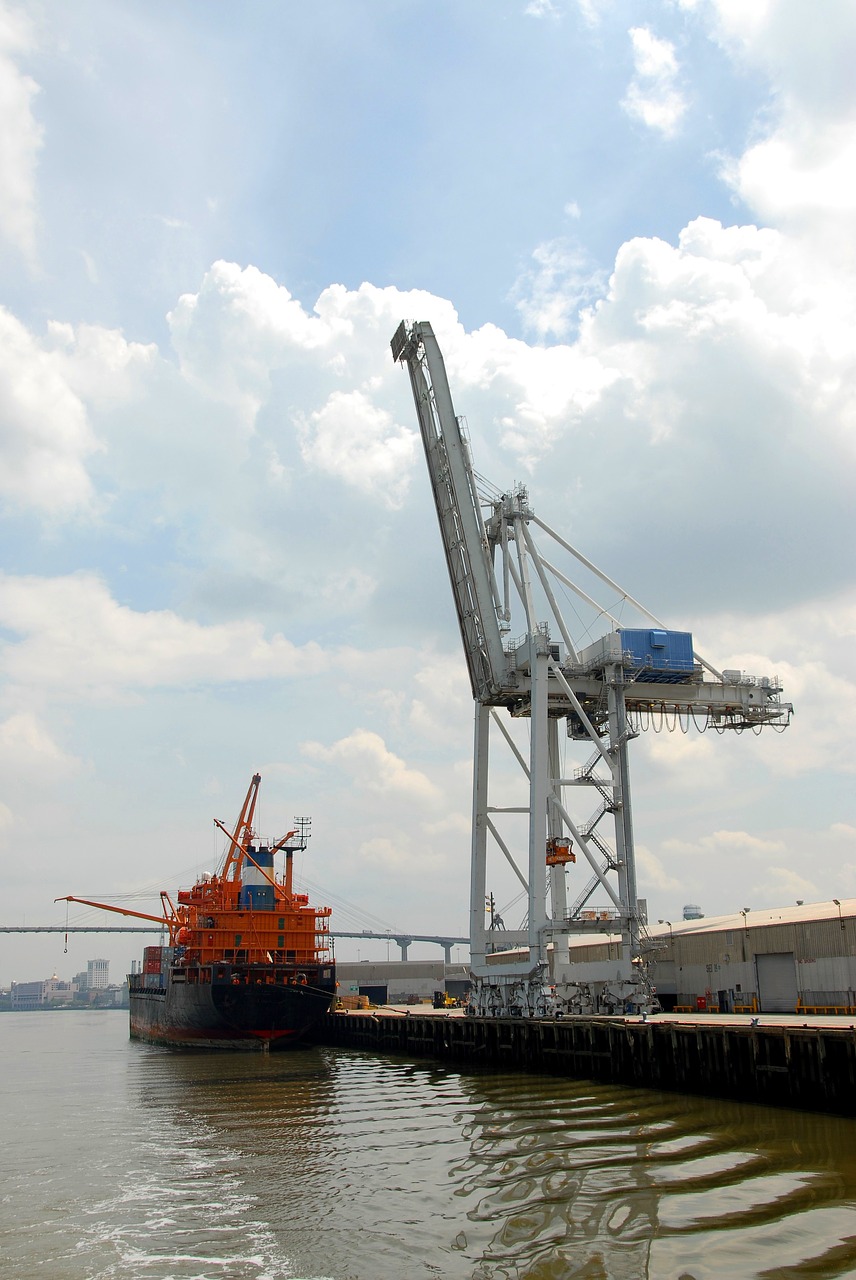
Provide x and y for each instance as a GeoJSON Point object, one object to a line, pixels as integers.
{"type": "Point", "coordinates": [249, 962]}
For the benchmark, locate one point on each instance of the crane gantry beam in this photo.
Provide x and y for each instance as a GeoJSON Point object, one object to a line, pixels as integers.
{"type": "Point", "coordinates": [605, 693]}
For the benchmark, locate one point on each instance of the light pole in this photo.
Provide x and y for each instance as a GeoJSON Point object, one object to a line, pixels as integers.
{"type": "Point", "coordinates": [838, 905]}
{"type": "Point", "coordinates": [671, 934]}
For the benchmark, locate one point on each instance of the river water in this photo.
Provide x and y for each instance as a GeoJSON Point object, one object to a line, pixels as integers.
{"type": "Point", "coordinates": [122, 1160]}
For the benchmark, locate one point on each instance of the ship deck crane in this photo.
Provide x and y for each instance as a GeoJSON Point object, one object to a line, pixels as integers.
{"type": "Point", "coordinates": [605, 693]}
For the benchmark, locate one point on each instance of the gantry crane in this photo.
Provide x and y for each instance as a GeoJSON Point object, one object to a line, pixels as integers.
{"type": "Point", "coordinates": [603, 693]}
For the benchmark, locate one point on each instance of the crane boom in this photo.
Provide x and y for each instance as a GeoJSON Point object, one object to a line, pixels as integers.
{"type": "Point", "coordinates": [243, 829]}
{"type": "Point", "coordinates": [455, 497]}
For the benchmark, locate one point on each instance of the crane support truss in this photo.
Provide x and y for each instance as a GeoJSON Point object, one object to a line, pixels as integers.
{"type": "Point", "coordinates": [604, 694]}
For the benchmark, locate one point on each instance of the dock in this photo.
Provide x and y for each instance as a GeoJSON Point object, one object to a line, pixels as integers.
{"type": "Point", "coordinates": [778, 1060]}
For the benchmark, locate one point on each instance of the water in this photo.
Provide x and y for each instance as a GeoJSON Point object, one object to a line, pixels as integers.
{"type": "Point", "coordinates": [121, 1160]}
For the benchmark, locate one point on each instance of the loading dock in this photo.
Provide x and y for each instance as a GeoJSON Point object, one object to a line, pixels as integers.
{"type": "Point", "coordinates": [777, 982]}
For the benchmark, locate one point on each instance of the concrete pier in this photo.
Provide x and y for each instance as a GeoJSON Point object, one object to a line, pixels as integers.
{"type": "Point", "coordinates": [775, 1060]}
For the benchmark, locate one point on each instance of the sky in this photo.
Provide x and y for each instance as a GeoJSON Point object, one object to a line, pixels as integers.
{"type": "Point", "coordinates": [631, 226]}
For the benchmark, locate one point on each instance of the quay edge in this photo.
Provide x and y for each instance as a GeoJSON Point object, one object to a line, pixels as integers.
{"type": "Point", "coordinates": [808, 1067]}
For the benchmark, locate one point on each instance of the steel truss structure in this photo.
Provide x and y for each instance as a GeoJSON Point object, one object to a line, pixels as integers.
{"type": "Point", "coordinates": [601, 695]}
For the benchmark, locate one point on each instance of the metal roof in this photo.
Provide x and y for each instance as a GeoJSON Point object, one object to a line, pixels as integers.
{"type": "Point", "coordinates": [809, 912]}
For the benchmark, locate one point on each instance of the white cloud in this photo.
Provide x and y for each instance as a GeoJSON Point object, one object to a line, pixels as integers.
{"type": "Point", "coordinates": [720, 361]}
{"type": "Point", "coordinates": [360, 444]}
{"type": "Point", "coordinates": [719, 843]}
{"type": "Point", "coordinates": [653, 96]}
{"type": "Point", "coordinates": [683, 758]}
{"type": "Point", "coordinates": [590, 10]}
{"type": "Point", "coordinates": [46, 436]}
{"type": "Point", "coordinates": [21, 135]}
{"type": "Point", "coordinates": [441, 698]}
{"type": "Point", "coordinates": [27, 748]}
{"type": "Point", "coordinates": [31, 763]}
{"type": "Point", "coordinates": [550, 293]}
{"type": "Point", "coordinates": [99, 365]}
{"type": "Point", "coordinates": [401, 856]}
{"type": "Point", "coordinates": [652, 873]}
{"type": "Point", "coordinates": [230, 334]}
{"type": "Point", "coordinates": [365, 759]}
{"type": "Point", "coordinates": [817, 638]}
{"type": "Point", "coordinates": [798, 170]}
{"type": "Point", "coordinates": [784, 883]}
{"type": "Point", "coordinates": [77, 643]}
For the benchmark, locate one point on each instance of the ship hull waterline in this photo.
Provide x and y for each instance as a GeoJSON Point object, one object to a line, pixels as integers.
{"type": "Point", "coordinates": [206, 1015]}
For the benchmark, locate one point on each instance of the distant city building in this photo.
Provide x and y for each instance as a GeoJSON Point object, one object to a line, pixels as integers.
{"type": "Point", "coordinates": [692, 912]}
{"type": "Point", "coordinates": [28, 995]}
{"type": "Point", "coordinates": [97, 975]}
{"type": "Point", "coordinates": [36, 995]}
{"type": "Point", "coordinates": [57, 992]}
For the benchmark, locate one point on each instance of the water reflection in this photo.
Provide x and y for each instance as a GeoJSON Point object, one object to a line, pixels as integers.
{"type": "Point", "coordinates": [374, 1167]}
{"type": "Point", "coordinates": [566, 1179]}
{"type": "Point", "coordinates": [360, 1167]}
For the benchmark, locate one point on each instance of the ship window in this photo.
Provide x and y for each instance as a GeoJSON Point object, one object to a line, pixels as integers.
{"type": "Point", "coordinates": [237, 939]}
{"type": "Point", "coordinates": [280, 942]}
{"type": "Point", "coordinates": [282, 924]}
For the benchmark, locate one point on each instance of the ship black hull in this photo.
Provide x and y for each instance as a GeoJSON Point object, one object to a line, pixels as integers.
{"type": "Point", "coordinates": [228, 1015]}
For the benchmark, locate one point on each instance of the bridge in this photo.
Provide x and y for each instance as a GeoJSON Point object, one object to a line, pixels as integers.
{"type": "Point", "coordinates": [401, 940]}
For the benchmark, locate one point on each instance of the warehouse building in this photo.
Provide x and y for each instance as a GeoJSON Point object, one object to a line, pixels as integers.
{"type": "Point", "coordinates": [799, 959]}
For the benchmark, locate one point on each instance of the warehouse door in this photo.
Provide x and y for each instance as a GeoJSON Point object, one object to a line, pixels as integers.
{"type": "Point", "coordinates": [376, 994]}
{"type": "Point", "coordinates": [777, 983]}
